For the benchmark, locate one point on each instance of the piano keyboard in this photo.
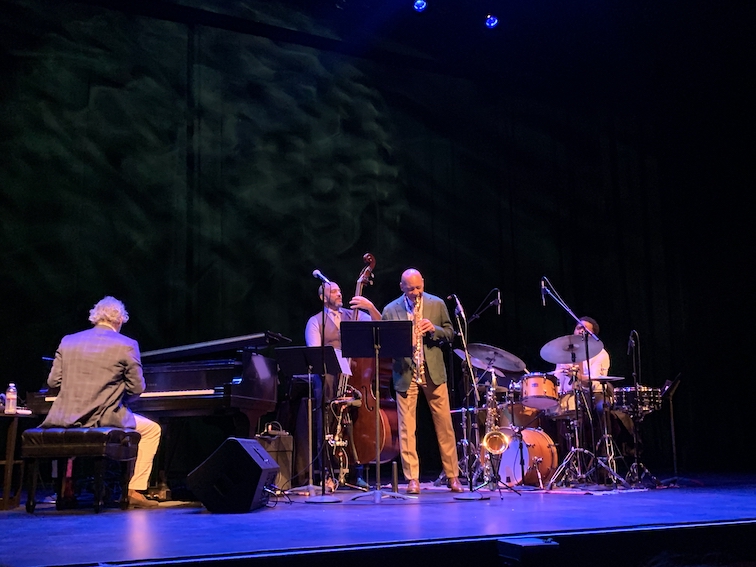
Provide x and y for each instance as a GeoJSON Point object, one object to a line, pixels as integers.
{"type": "Point", "coordinates": [171, 393]}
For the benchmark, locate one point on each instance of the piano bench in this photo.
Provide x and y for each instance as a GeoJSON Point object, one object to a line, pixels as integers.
{"type": "Point", "coordinates": [98, 443]}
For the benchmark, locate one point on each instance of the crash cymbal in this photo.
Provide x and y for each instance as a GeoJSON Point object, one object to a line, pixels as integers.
{"type": "Point", "coordinates": [477, 363]}
{"type": "Point", "coordinates": [496, 357]}
{"type": "Point", "coordinates": [561, 349]}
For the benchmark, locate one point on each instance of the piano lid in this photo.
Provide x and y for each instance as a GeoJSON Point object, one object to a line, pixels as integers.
{"type": "Point", "coordinates": [255, 341]}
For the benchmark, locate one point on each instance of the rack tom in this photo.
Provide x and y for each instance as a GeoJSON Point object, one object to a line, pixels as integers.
{"type": "Point", "coordinates": [540, 390]}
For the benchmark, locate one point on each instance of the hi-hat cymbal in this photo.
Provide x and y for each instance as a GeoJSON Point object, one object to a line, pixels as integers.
{"type": "Point", "coordinates": [477, 363]}
{"type": "Point", "coordinates": [492, 356]}
{"type": "Point", "coordinates": [562, 349]}
{"type": "Point", "coordinates": [608, 378]}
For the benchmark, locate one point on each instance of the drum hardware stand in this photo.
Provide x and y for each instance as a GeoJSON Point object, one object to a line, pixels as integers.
{"type": "Point", "coordinates": [608, 459]}
{"type": "Point", "coordinates": [572, 466]}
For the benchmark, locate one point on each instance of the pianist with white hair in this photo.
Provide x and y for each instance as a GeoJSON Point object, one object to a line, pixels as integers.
{"type": "Point", "coordinates": [98, 371]}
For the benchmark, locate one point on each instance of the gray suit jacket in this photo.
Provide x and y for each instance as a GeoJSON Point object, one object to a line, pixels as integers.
{"type": "Point", "coordinates": [96, 370]}
{"type": "Point", "coordinates": [434, 309]}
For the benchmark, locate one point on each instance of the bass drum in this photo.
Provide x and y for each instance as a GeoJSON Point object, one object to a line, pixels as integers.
{"type": "Point", "coordinates": [539, 457]}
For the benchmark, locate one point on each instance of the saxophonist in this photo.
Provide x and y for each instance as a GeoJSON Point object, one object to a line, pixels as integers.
{"type": "Point", "coordinates": [425, 371]}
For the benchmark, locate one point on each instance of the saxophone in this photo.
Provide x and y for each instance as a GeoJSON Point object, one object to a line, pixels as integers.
{"type": "Point", "coordinates": [494, 441]}
{"type": "Point", "coordinates": [418, 351]}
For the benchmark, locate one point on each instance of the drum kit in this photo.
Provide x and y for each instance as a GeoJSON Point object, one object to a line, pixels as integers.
{"type": "Point", "coordinates": [514, 451]}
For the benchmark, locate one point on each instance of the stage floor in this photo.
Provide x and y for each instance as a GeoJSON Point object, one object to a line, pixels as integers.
{"type": "Point", "coordinates": [430, 525]}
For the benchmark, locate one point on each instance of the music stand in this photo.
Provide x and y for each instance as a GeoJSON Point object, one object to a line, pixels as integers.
{"type": "Point", "coordinates": [302, 360]}
{"type": "Point", "coordinates": [362, 339]}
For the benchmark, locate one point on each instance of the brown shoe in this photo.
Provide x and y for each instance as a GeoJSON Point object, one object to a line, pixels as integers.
{"type": "Point", "coordinates": [413, 487]}
{"type": "Point", "coordinates": [138, 500]}
{"type": "Point", "coordinates": [455, 485]}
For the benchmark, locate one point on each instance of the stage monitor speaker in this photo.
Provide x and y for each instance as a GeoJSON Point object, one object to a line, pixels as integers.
{"type": "Point", "coordinates": [234, 477]}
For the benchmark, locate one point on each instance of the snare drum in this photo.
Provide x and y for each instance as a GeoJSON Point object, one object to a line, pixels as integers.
{"type": "Point", "coordinates": [539, 390]}
{"type": "Point", "coordinates": [539, 456]}
{"type": "Point", "coordinates": [644, 400]}
{"type": "Point", "coordinates": [565, 408]}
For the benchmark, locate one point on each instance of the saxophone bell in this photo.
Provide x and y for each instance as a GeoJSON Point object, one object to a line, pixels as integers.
{"type": "Point", "coordinates": [495, 442]}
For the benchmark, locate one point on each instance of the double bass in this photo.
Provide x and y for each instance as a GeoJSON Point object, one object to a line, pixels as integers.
{"type": "Point", "coordinates": [363, 372]}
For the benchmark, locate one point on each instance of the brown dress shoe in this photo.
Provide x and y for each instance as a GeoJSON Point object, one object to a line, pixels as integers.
{"type": "Point", "coordinates": [413, 487]}
{"type": "Point", "coordinates": [138, 500]}
{"type": "Point", "coordinates": [455, 485]}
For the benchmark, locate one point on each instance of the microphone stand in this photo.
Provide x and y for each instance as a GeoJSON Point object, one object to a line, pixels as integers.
{"type": "Point", "coordinates": [638, 471]}
{"type": "Point", "coordinates": [322, 452]}
{"type": "Point", "coordinates": [468, 455]}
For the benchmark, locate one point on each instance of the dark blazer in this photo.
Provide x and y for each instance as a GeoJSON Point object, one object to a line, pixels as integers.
{"type": "Point", "coordinates": [96, 370]}
{"type": "Point", "coordinates": [434, 309]}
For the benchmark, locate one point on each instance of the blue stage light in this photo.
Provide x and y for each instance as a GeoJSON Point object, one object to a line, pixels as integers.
{"type": "Point", "coordinates": [420, 5]}
{"type": "Point", "coordinates": [491, 21]}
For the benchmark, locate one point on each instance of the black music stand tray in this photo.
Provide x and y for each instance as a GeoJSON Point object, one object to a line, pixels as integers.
{"type": "Point", "coordinates": [363, 339]}
{"type": "Point", "coordinates": [299, 361]}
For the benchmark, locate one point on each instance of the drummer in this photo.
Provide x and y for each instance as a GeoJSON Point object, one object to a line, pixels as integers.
{"type": "Point", "coordinates": [621, 425]}
{"type": "Point", "coordinates": [570, 375]}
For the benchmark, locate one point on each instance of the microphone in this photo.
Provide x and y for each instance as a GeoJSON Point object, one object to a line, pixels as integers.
{"type": "Point", "coordinates": [459, 305]}
{"type": "Point", "coordinates": [498, 301]}
{"type": "Point", "coordinates": [320, 276]}
{"type": "Point", "coordinates": [630, 343]}
{"type": "Point", "coordinates": [543, 293]}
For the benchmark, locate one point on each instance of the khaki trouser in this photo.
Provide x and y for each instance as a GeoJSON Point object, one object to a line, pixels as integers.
{"type": "Point", "coordinates": [148, 446]}
{"type": "Point", "coordinates": [438, 401]}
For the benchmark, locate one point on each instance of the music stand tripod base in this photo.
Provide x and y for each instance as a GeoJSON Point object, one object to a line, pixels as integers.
{"type": "Point", "coordinates": [362, 339]}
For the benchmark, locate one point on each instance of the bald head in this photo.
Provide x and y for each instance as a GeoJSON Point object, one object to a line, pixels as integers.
{"type": "Point", "coordinates": [412, 284]}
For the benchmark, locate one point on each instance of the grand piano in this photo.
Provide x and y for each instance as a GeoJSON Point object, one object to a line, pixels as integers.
{"type": "Point", "coordinates": [226, 384]}
{"type": "Point", "coordinates": [225, 376]}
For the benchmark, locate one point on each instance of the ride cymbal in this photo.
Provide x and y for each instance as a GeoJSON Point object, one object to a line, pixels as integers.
{"type": "Point", "coordinates": [570, 348]}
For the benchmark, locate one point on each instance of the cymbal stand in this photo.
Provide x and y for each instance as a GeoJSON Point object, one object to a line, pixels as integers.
{"type": "Point", "coordinates": [638, 471]}
{"type": "Point", "coordinates": [608, 461]}
{"type": "Point", "coordinates": [571, 469]}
